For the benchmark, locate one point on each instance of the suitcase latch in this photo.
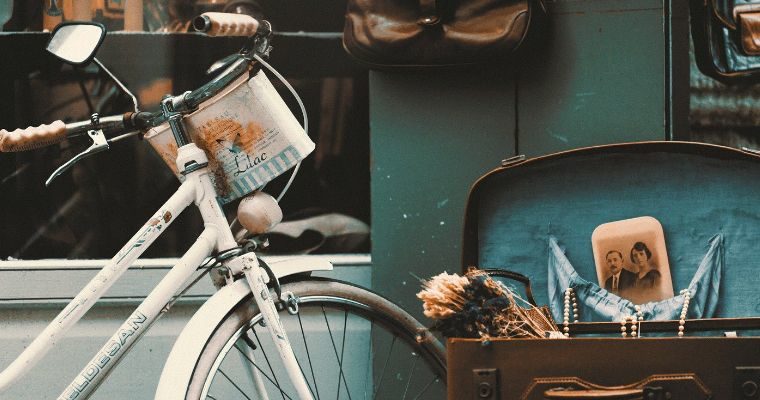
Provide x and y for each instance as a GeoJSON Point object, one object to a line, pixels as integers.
{"type": "Point", "coordinates": [655, 393]}
{"type": "Point", "coordinates": [486, 384]}
{"type": "Point", "coordinates": [747, 383]}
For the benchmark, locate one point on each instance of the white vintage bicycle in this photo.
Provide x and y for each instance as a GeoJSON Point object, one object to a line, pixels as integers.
{"type": "Point", "coordinates": [270, 331]}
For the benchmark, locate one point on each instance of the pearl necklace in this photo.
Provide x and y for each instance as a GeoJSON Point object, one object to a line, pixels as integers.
{"type": "Point", "coordinates": [633, 320]}
{"type": "Point", "coordinates": [569, 297]}
{"type": "Point", "coordinates": [682, 321]}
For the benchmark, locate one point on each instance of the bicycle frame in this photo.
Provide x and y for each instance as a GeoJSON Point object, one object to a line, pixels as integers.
{"type": "Point", "coordinates": [197, 188]}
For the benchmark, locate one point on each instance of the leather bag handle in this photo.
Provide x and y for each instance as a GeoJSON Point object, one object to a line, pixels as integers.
{"type": "Point", "coordinates": [614, 394]}
{"type": "Point", "coordinates": [503, 273]}
{"type": "Point", "coordinates": [655, 387]}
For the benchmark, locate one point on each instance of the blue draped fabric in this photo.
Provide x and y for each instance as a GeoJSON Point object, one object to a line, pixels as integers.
{"type": "Point", "coordinates": [597, 304]}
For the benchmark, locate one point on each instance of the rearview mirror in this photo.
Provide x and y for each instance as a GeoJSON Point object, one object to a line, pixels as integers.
{"type": "Point", "coordinates": [76, 42]}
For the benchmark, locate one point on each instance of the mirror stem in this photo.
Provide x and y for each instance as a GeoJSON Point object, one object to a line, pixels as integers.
{"type": "Point", "coordinates": [118, 82]}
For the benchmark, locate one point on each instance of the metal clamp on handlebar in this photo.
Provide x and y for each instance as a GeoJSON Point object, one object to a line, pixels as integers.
{"type": "Point", "coordinates": [174, 117]}
{"type": "Point", "coordinates": [259, 43]}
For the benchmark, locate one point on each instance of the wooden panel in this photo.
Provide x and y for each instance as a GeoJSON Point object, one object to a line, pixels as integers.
{"type": "Point", "coordinates": [58, 281]}
{"type": "Point", "coordinates": [297, 54]}
{"type": "Point", "coordinates": [138, 374]}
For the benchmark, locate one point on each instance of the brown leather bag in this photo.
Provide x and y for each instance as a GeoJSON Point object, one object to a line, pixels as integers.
{"type": "Point", "coordinates": [407, 33]}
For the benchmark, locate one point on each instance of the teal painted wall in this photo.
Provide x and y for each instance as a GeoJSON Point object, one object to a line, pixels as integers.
{"type": "Point", "coordinates": [604, 75]}
{"type": "Point", "coordinates": [431, 134]}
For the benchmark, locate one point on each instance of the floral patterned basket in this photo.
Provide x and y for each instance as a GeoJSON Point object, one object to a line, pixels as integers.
{"type": "Point", "coordinates": [248, 133]}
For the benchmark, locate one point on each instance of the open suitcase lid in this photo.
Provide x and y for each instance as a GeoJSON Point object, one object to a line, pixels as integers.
{"type": "Point", "coordinates": [699, 192]}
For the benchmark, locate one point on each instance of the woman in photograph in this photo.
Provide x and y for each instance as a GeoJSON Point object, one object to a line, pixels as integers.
{"type": "Point", "coordinates": [648, 276]}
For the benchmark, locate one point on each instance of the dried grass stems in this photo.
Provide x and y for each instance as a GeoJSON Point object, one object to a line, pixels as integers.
{"type": "Point", "coordinates": [477, 306]}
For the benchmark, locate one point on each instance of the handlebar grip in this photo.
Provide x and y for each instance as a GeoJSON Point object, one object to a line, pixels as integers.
{"type": "Point", "coordinates": [226, 24]}
{"type": "Point", "coordinates": [32, 137]}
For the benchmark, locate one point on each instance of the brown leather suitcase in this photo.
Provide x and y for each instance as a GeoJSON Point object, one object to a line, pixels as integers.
{"type": "Point", "coordinates": [697, 192]}
{"type": "Point", "coordinates": [604, 368]}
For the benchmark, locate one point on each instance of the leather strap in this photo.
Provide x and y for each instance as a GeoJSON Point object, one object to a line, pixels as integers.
{"type": "Point", "coordinates": [681, 386]}
{"type": "Point", "coordinates": [612, 394]}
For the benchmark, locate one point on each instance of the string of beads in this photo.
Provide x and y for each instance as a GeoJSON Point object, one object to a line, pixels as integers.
{"type": "Point", "coordinates": [569, 299]}
{"type": "Point", "coordinates": [682, 321]}
{"type": "Point", "coordinates": [634, 321]}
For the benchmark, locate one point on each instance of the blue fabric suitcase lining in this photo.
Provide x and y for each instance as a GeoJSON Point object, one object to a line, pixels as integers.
{"type": "Point", "coordinates": [527, 217]}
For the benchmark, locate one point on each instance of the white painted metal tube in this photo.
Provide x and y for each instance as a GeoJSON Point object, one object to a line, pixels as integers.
{"type": "Point", "coordinates": [138, 323]}
{"type": "Point", "coordinates": [255, 277]}
{"type": "Point", "coordinates": [191, 342]}
{"type": "Point", "coordinates": [99, 285]}
{"type": "Point", "coordinates": [211, 211]}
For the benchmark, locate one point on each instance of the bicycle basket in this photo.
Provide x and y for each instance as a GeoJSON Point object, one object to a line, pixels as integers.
{"type": "Point", "coordinates": [248, 133]}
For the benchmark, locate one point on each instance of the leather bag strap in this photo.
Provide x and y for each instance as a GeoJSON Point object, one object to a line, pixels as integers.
{"type": "Point", "coordinates": [503, 273]}
{"type": "Point", "coordinates": [723, 20]}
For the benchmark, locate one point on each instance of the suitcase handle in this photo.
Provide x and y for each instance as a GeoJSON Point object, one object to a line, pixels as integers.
{"type": "Point", "coordinates": [503, 273]}
{"type": "Point", "coordinates": [612, 394]}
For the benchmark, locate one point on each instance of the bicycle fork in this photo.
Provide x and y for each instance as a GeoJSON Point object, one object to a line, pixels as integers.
{"type": "Point", "coordinates": [257, 280]}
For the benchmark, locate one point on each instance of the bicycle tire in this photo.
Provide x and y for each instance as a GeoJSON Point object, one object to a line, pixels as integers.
{"type": "Point", "coordinates": [402, 361]}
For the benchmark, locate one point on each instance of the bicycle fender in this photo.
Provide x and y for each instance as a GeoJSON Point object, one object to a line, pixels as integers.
{"type": "Point", "coordinates": [296, 265]}
{"type": "Point", "coordinates": [180, 364]}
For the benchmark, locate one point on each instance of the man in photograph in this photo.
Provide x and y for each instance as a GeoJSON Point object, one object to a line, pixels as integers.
{"type": "Point", "coordinates": [620, 278]}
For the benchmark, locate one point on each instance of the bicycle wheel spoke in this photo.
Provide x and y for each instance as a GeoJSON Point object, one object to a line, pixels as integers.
{"type": "Point", "coordinates": [411, 373]}
{"type": "Point", "coordinates": [374, 331]}
{"type": "Point", "coordinates": [262, 371]}
{"type": "Point", "coordinates": [233, 384]}
{"type": "Point", "coordinates": [335, 349]}
{"type": "Point", "coordinates": [425, 389]}
{"type": "Point", "coordinates": [270, 367]}
{"type": "Point", "coordinates": [385, 364]}
{"type": "Point", "coordinates": [370, 357]}
{"type": "Point", "coordinates": [308, 355]}
{"type": "Point", "coordinates": [342, 351]}
{"type": "Point", "coordinates": [277, 383]}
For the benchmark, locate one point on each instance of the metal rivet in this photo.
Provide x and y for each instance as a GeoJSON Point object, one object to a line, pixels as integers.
{"type": "Point", "coordinates": [484, 390]}
{"type": "Point", "coordinates": [429, 20]}
{"type": "Point", "coordinates": [749, 388]}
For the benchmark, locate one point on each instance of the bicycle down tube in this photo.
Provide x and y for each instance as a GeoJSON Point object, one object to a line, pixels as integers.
{"type": "Point", "coordinates": [197, 188]}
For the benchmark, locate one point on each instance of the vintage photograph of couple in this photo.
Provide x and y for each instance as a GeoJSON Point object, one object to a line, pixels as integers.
{"type": "Point", "coordinates": [631, 260]}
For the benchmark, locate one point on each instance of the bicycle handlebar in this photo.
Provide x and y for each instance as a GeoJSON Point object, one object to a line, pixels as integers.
{"type": "Point", "coordinates": [224, 24]}
{"type": "Point", "coordinates": [213, 24]}
{"type": "Point", "coordinates": [35, 137]}
{"type": "Point", "coordinates": [32, 137]}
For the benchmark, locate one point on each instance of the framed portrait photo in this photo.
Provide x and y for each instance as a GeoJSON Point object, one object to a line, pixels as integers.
{"type": "Point", "coordinates": [631, 259]}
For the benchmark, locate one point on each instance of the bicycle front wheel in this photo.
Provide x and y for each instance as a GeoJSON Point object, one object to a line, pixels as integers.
{"type": "Point", "coordinates": [350, 344]}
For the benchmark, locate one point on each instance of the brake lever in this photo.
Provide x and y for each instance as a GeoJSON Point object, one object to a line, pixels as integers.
{"type": "Point", "coordinates": [223, 63]}
{"type": "Point", "coordinates": [99, 144]}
